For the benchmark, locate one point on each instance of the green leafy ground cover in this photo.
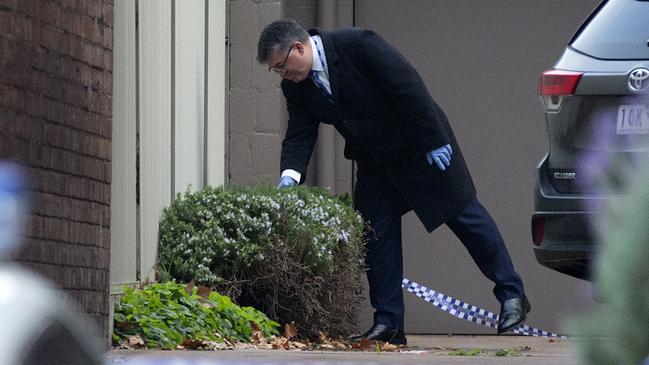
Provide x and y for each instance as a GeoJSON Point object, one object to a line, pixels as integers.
{"type": "Point", "coordinates": [170, 314]}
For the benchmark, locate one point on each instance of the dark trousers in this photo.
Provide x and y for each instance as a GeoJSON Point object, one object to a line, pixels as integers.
{"type": "Point", "coordinates": [383, 206]}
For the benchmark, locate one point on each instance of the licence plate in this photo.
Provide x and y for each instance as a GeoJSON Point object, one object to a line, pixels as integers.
{"type": "Point", "coordinates": [632, 119]}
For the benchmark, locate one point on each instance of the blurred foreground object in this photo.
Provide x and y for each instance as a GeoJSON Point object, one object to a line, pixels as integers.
{"type": "Point", "coordinates": [13, 204]}
{"type": "Point", "coordinates": [37, 326]}
{"type": "Point", "coordinates": [619, 332]}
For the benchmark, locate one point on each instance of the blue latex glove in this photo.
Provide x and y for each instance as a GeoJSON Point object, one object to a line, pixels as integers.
{"type": "Point", "coordinates": [441, 156]}
{"type": "Point", "coordinates": [286, 182]}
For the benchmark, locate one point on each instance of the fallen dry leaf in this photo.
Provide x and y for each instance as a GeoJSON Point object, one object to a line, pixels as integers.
{"type": "Point", "coordinates": [290, 330]}
{"type": "Point", "coordinates": [281, 343]}
{"type": "Point", "coordinates": [323, 338]}
{"type": "Point", "coordinates": [228, 342]}
{"type": "Point", "coordinates": [387, 347]}
{"type": "Point", "coordinates": [243, 345]}
{"type": "Point", "coordinates": [124, 345]}
{"type": "Point", "coordinates": [194, 344]}
{"type": "Point", "coordinates": [257, 336]}
{"type": "Point", "coordinates": [190, 287]}
{"type": "Point", "coordinates": [264, 346]}
{"type": "Point", "coordinates": [339, 345]}
{"type": "Point", "coordinates": [299, 345]}
{"type": "Point", "coordinates": [363, 345]}
{"type": "Point", "coordinates": [125, 325]}
{"type": "Point", "coordinates": [213, 345]}
{"type": "Point", "coordinates": [204, 292]}
{"type": "Point", "coordinates": [135, 341]}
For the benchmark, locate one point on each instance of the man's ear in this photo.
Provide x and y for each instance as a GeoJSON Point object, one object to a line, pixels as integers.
{"type": "Point", "coordinates": [300, 47]}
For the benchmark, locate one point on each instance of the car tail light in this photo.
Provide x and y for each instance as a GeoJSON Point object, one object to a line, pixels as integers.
{"type": "Point", "coordinates": [558, 82]}
{"type": "Point", "coordinates": [538, 229]}
{"type": "Point", "coordinates": [554, 85]}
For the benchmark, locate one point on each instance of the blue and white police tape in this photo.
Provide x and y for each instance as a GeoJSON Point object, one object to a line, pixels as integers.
{"type": "Point", "coordinates": [467, 311]}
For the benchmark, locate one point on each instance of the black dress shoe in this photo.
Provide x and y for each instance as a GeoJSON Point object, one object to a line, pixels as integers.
{"type": "Point", "coordinates": [381, 332]}
{"type": "Point", "coordinates": [512, 313]}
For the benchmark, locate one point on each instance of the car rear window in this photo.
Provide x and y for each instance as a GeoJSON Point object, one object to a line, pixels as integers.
{"type": "Point", "coordinates": [620, 30]}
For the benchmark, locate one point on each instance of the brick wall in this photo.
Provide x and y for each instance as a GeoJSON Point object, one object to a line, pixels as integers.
{"type": "Point", "coordinates": [256, 103]}
{"type": "Point", "coordinates": [304, 12]}
{"type": "Point", "coordinates": [257, 109]}
{"type": "Point", "coordinates": [55, 118]}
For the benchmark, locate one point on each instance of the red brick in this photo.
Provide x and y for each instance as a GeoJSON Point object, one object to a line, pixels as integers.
{"type": "Point", "coordinates": [96, 56]}
{"type": "Point", "coordinates": [9, 51]}
{"type": "Point", "coordinates": [27, 28]}
{"type": "Point", "coordinates": [50, 13]}
{"type": "Point", "coordinates": [93, 9]}
{"type": "Point", "coordinates": [58, 230]}
{"type": "Point", "coordinates": [6, 21]}
{"type": "Point", "coordinates": [11, 98]}
{"type": "Point", "coordinates": [105, 127]}
{"type": "Point", "coordinates": [59, 136]}
{"type": "Point", "coordinates": [51, 182]}
{"type": "Point", "coordinates": [107, 16]}
{"type": "Point", "coordinates": [8, 122]}
{"type": "Point", "coordinates": [35, 228]}
{"type": "Point", "coordinates": [77, 187]}
{"type": "Point", "coordinates": [74, 94]}
{"type": "Point", "coordinates": [76, 5]}
{"type": "Point", "coordinates": [51, 39]}
{"type": "Point", "coordinates": [107, 60]}
{"type": "Point", "coordinates": [55, 116]}
{"type": "Point", "coordinates": [7, 4]}
{"type": "Point", "coordinates": [104, 148]}
{"type": "Point", "coordinates": [36, 105]}
{"type": "Point", "coordinates": [57, 110]}
{"type": "Point", "coordinates": [106, 105]}
{"type": "Point", "coordinates": [107, 38]}
{"type": "Point", "coordinates": [89, 145]}
{"type": "Point", "coordinates": [91, 30]}
{"type": "Point", "coordinates": [72, 45]}
{"type": "Point", "coordinates": [107, 83]}
{"type": "Point", "coordinates": [29, 7]}
{"type": "Point", "coordinates": [76, 72]}
{"type": "Point", "coordinates": [71, 22]}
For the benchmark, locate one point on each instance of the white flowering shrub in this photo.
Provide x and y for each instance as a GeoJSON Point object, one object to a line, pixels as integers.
{"type": "Point", "coordinates": [296, 254]}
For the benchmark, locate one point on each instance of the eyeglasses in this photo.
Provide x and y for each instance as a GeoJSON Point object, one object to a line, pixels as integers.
{"type": "Point", "coordinates": [282, 66]}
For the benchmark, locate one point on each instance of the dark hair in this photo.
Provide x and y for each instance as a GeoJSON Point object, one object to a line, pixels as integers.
{"type": "Point", "coordinates": [279, 35]}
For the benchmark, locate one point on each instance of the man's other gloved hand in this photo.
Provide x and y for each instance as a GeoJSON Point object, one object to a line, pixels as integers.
{"type": "Point", "coordinates": [286, 182]}
{"type": "Point", "coordinates": [441, 156]}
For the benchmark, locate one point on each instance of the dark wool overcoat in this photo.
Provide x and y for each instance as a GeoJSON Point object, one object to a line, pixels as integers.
{"type": "Point", "coordinates": [382, 108]}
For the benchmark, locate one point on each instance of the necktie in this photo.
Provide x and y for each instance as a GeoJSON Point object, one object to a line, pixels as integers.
{"type": "Point", "coordinates": [318, 82]}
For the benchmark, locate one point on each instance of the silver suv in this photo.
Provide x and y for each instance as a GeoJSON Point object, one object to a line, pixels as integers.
{"type": "Point", "coordinates": [596, 100]}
